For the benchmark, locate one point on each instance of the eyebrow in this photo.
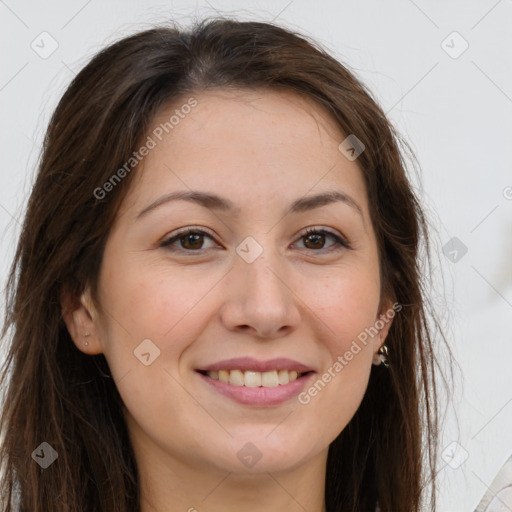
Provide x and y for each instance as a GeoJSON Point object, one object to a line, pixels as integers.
{"type": "Point", "coordinates": [214, 202]}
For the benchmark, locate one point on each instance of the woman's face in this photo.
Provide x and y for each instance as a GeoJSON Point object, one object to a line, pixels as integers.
{"type": "Point", "coordinates": [247, 284]}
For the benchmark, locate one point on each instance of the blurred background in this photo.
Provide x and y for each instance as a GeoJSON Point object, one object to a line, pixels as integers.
{"type": "Point", "coordinates": [442, 72]}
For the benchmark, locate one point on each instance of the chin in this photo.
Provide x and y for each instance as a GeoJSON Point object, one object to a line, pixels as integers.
{"type": "Point", "coordinates": [268, 463]}
{"type": "Point", "coordinates": [253, 453]}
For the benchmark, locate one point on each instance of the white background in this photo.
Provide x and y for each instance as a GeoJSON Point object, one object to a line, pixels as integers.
{"type": "Point", "coordinates": [455, 112]}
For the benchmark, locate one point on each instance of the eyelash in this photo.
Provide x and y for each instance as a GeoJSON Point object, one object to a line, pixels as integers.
{"type": "Point", "coordinates": [341, 242]}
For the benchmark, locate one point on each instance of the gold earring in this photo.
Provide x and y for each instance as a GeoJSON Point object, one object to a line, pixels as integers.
{"type": "Point", "coordinates": [382, 356]}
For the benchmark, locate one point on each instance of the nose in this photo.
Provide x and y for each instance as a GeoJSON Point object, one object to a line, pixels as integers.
{"type": "Point", "coordinates": [259, 299]}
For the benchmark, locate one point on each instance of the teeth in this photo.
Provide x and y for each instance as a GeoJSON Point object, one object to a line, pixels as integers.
{"type": "Point", "coordinates": [236, 377]}
{"type": "Point", "coordinates": [269, 379]}
{"type": "Point", "coordinates": [283, 377]}
{"type": "Point", "coordinates": [252, 379]}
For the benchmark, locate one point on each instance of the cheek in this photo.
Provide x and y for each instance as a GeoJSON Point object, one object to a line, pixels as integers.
{"type": "Point", "coordinates": [345, 306]}
{"type": "Point", "coordinates": [150, 299]}
{"type": "Point", "coordinates": [145, 301]}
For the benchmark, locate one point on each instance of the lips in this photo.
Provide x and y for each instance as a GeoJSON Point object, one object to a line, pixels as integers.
{"type": "Point", "coordinates": [257, 383]}
{"type": "Point", "coordinates": [245, 364]}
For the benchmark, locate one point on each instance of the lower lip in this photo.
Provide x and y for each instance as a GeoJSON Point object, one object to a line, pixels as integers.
{"type": "Point", "coordinates": [259, 396]}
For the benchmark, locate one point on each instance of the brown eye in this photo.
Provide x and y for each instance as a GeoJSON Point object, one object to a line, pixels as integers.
{"type": "Point", "coordinates": [189, 240]}
{"type": "Point", "coordinates": [315, 239]}
{"type": "Point", "coordinates": [192, 241]}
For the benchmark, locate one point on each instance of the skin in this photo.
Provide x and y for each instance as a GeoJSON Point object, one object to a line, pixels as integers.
{"type": "Point", "coordinates": [299, 299]}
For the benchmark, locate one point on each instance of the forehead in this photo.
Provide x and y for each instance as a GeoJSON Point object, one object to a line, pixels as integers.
{"type": "Point", "coordinates": [255, 121]}
{"type": "Point", "coordinates": [248, 144]}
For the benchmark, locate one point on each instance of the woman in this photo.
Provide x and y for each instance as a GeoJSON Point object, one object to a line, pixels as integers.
{"type": "Point", "coordinates": [216, 299]}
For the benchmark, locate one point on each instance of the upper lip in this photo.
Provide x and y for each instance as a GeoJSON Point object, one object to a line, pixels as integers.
{"type": "Point", "coordinates": [251, 364]}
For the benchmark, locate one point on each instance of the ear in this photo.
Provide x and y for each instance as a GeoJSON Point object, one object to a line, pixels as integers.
{"type": "Point", "coordinates": [81, 319]}
{"type": "Point", "coordinates": [383, 324]}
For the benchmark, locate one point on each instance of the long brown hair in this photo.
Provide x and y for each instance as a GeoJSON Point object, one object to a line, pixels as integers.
{"type": "Point", "coordinates": [57, 394]}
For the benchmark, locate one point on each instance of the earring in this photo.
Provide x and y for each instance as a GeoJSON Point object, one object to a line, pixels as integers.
{"type": "Point", "coordinates": [382, 357]}
{"type": "Point", "coordinates": [86, 343]}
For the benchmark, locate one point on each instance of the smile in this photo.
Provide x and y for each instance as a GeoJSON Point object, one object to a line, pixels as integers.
{"type": "Point", "coordinates": [250, 381]}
